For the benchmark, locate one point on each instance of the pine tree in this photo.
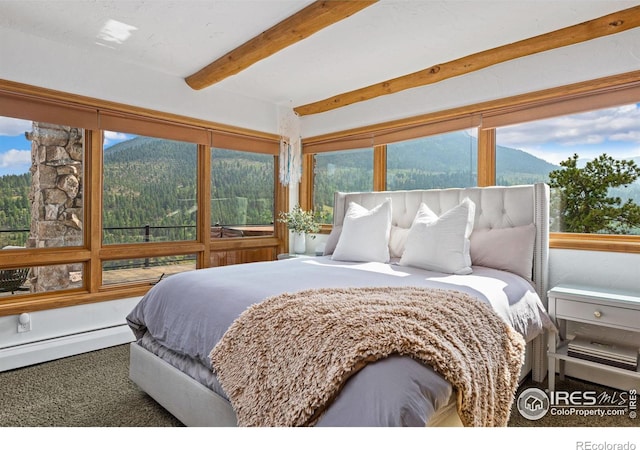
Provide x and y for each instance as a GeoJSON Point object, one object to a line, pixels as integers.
{"type": "Point", "coordinates": [585, 204]}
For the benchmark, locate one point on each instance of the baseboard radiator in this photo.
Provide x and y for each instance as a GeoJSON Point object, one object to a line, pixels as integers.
{"type": "Point", "coordinates": [61, 347]}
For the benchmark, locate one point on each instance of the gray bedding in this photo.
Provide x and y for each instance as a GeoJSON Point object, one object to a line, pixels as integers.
{"type": "Point", "coordinates": [183, 317]}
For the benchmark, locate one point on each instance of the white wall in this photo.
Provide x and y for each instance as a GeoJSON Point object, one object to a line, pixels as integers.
{"type": "Point", "coordinates": [61, 332]}
{"type": "Point", "coordinates": [615, 271]}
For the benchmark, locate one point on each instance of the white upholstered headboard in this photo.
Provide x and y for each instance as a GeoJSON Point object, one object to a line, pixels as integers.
{"type": "Point", "coordinates": [496, 207]}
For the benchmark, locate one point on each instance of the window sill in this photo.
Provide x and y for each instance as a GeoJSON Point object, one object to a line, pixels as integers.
{"type": "Point", "coordinates": [595, 242]}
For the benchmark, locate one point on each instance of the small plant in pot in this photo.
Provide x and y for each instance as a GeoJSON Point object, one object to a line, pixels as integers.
{"type": "Point", "coordinates": [300, 222]}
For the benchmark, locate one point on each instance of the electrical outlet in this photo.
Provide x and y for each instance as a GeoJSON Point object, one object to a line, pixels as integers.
{"type": "Point", "coordinates": [24, 323]}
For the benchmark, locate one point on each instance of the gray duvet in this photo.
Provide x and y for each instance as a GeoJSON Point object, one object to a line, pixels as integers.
{"type": "Point", "coordinates": [183, 317]}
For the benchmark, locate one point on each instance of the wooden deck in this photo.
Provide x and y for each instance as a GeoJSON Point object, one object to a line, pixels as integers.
{"type": "Point", "coordinates": [151, 274]}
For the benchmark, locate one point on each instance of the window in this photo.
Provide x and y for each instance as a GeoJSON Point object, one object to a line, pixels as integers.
{"type": "Point", "coordinates": [123, 196]}
{"type": "Point", "coordinates": [242, 194]}
{"type": "Point", "coordinates": [51, 278]}
{"type": "Point", "coordinates": [150, 189]}
{"type": "Point", "coordinates": [509, 152]}
{"type": "Point", "coordinates": [346, 171]}
{"type": "Point", "coordinates": [41, 184]}
{"type": "Point", "coordinates": [145, 269]}
{"type": "Point", "coordinates": [441, 161]}
{"type": "Point", "coordinates": [529, 152]}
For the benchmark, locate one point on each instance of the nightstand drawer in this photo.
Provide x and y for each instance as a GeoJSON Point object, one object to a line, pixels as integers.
{"type": "Point", "coordinates": [594, 313]}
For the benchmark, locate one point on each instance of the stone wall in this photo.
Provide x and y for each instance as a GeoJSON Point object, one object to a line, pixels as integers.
{"type": "Point", "coordinates": [56, 201]}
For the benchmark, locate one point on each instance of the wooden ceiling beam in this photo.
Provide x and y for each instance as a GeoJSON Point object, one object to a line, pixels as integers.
{"type": "Point", "coordinates": [307, 21]}
{"type": "Point", "coordinates": [603, 26]}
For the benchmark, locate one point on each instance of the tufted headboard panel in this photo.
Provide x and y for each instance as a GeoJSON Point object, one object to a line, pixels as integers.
{"type": "Point", "coordinates": [496, 207]}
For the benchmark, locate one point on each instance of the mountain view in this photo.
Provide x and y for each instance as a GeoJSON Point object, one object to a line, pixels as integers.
{"type": "Point", "coordinates": [449, 160]}
{"type": "Point", "coordinates": [151, 181]}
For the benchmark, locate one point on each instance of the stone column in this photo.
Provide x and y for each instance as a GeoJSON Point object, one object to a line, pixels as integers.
{"type": "Point", "coordinates": [56, 200]}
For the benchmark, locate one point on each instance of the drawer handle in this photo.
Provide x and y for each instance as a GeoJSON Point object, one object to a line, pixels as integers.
{"type": "Point", "coordinates": [597, 314]}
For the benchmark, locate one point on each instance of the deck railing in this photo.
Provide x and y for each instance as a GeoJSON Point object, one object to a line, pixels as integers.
{"type": "Point", "coordinates": [149, 233]}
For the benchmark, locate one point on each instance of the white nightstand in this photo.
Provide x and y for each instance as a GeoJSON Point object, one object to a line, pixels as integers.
{"type": "Point", "coordinates": [595, 307]}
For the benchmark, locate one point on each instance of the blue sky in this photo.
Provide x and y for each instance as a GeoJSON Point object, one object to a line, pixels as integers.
{"type": "Point", "coordinates": [15, 149]}
{"type": "Point", "coordinates": [615, 131]}
{"type": "Point", "coordinates": [113, 138]}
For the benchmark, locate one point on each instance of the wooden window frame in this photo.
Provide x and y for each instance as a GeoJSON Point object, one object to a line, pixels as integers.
{"type": "Point", "coordinates": [571, 99]}
{"type": "Point", "coordinates": [95, 115]}
{"type": "Point", "coordinates": [305, 189]}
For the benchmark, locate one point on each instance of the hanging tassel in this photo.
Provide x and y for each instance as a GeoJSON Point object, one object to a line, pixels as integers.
{"type": "Point", "coordinates": [290, 168]}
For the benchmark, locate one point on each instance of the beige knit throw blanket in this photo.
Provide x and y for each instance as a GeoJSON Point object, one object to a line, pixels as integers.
{"type": "Point", "coordinates": [283, 360]}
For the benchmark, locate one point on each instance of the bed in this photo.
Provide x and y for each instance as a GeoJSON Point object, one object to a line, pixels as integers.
{"type": "Point", "coordinates": [188, 320]}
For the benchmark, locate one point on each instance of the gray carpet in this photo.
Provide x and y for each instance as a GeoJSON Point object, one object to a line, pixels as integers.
{"type": "Point", "coordinates": [88, 390]}
{"type": "Point", "coordinates": [94, 390]}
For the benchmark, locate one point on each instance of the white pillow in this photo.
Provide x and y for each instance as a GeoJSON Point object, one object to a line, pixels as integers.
{"type": "Point", "coordinates": [397, 241]}
{"type": "Point", "coordinates": [509, 249]}
{"type": "Point", "coordinates": [332, 240]}
{"type": "Point", "coordinates": [441, 243]}
{"type": "Point", "coordinates": [365, 234]}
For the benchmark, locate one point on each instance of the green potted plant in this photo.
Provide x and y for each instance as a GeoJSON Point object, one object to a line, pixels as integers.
{"type": "Point", "coordinates": [300, 222]}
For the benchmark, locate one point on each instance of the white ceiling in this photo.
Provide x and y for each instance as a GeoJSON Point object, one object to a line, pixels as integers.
{"type": "Point", "coordinates": [386, 40]}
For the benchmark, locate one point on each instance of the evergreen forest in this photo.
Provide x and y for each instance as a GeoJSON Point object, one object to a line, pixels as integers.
{"type": "Point", "coordinates": [152, 182]}
{"type": "Point", "coordinates": [443, 161]}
